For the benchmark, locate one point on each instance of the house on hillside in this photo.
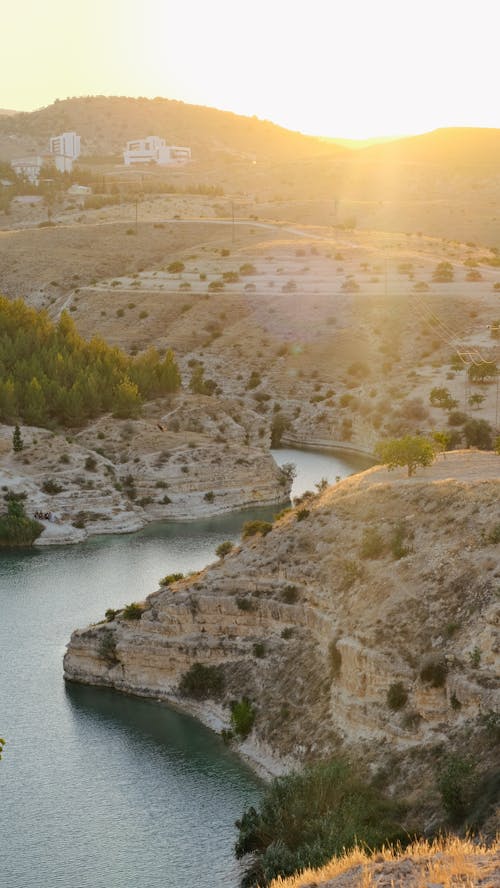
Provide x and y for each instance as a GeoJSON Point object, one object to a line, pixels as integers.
{"type": "Point", "coordinates": [64, 150]}
{"type": "Point", "coordinates": [154, 150]}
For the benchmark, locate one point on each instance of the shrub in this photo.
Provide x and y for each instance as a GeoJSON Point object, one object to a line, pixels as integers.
{"type": "Point", "coordinates": [259, 650]}
{"type": "Point", "coordinates": [201, 682]}
{"type": "Point", "coordinates": [372, 543]}
{"type": "Point", "coordinates": [397, 696]}
{"type": "Point", "coordinates": [434, 672]}
{"type": "Point", "coordinates": [111, 613]}
{"type": "Point", "coordinates": [306, 818]}
{"type": "Point", "coordinates": [91, 464]}
{"type": "Point", "coordinates": [16, 529]}
{"type": "Point", "coordinates": [287, 633]}
{"type": "Point", "coordinates": [399, 534]}
{"type": "Point", "coordinates": [302, 514]}
{"type": "Point", "coordinates": [251, 528]}
{"type": "Point", "coordinates": [107, 647]}
{"type": "Point", "coordinates": [132, 611]}
{"type": "Point", "coordinates": [209, 496]}
{"type": "Point", "coordinates": [51, 487]}
{"type": "Point", "coordinates": [247, 268]}
{"type": "Point", "coordinates": [457, 418]}
{"type": "Point", "coordinates": [171, 578]}
{"type": "Point", "coordinates": [224, 549]}
{"type": "Point", "coordinates": [242, 717]}
{"type": "Point", "coordinates": [244, 604]}
{"type": "Point", "coordinates": [290, 594]}
{"type": "Point", "coordinates": [443, 273]}
{"type": "Point", "coordinates": [478, 433]}
{"type": "Point", "coordinates": [175, 267]}
{"type": "Point", "coordinates": [456, 784]}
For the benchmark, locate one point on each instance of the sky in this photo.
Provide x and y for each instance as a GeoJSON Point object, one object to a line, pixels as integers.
{"type": "Point", "coordinates": [351, 69]}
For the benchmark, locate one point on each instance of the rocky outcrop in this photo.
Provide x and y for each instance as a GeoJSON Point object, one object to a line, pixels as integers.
{"type": "Point", "coordinates": [368, 618]}
{"type": "Point", "coordinates": [116, 476]}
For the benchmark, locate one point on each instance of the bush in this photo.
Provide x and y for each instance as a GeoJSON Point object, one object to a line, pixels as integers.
{"type": "Point", "coordinates": [434, 672]}
{"type": "Point", "coordinates": [478, 433]}
{"type": "Point", "coordinates": [302, 514]}
{"type": "Point", "coordinates": [259, 650]}
{"type": "Point", "coordinates": [175, 267]}
{"type": "Point", "coordinates": [202, 682]}
{"type": "Point", "coordinates": [91, 464]}
{"type": "Point", "coordinates": [399, 534]}
{"type": "Point", "coordinates": [132, 611]}
{"type": "Point", "coordinates": [107, 647]}
{"type": "Point", "coordinates": [224, 549]}
{"type": "Point", "coordinates": [171, 578]}
{"type": "Point", "coordinates": [209, 496]}
{"type": "Point", "coordinates": [397, 696]}
{"type": "Point", "coordinates": [16, 529]}
{"type": "Point", "coordinates": [290, 594]}
{"type": "Point", "coordinates": [457, 418]}
{"type": "Point", "coordinates": [251, 528]}
{"type": "Point", "coordinates": [456, 784]}
{"type": "Point", "coordinates": [244, 604]}
{"type": "Point", "coordinates": [306, 818]}
{"type": "Point", "coordinates": [372, 543]}
{"type": "Point", "coordinates": [242, 717]}
{"type": "Point", "coordinates": [52, 487]}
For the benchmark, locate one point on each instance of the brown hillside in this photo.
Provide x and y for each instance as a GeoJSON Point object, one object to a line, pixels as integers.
{"type": "Point", "coordinates": [453, 146]}
{"type": "Point", "coordinates": [106, 123]}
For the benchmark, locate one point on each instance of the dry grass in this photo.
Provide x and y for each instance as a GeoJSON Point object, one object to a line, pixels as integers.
{"type": "Point", "coordinates": [448, 863]}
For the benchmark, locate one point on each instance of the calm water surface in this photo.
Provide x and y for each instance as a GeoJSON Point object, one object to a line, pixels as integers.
{"type": "Point", "coordinates": [99, 790]}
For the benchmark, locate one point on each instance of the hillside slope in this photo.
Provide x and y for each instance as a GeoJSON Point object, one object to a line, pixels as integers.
{"type": "Point", "coordinates": [106, 123]}
{"type": "Point", "coordinates": [379, 587]}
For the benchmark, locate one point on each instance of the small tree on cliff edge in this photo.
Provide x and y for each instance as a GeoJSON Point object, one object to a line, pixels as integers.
{"type": "Point", "coordinates": [410, 451]}
{"type": "Point", "coordinates": [17, 440]}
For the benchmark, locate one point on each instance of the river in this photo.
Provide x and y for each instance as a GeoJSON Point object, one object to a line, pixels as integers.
{"type": "Point", "coordinates": [100, 790]}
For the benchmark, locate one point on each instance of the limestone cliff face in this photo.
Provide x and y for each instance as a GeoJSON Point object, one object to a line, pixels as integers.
{"type": "Point", "coordinates": [368, 620]}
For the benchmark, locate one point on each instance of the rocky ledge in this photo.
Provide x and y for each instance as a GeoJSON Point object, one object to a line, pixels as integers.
{"type": "Point", "coordinates": [116, 476]}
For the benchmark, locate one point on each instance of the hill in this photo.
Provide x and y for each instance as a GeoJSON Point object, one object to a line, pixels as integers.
{"type": "Point", "coordinates": [451, 147]}
{"type": "Point", "coordinates": [106, 123]}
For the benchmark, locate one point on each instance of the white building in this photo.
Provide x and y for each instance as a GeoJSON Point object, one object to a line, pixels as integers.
{"type": "Point", "coordinates": [152, 149]}
{"type": "Point", "coordinates": [28, 168]}
{"type": "Point", "coordinates": [65, 149]}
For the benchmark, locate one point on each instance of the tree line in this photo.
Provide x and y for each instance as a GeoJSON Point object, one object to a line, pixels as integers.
{"type": "Point", "coordinates": [50, 375]}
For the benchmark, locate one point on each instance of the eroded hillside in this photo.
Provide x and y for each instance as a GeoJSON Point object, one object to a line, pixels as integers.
{"type": "Point", "coordinates": [366, 620]}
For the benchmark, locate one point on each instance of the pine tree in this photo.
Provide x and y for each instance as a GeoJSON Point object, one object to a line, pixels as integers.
{"type": "Point", "coordinates": [17, 441]}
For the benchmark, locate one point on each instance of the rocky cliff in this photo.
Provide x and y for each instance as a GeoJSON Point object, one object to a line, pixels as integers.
{"type": "Point", "coordinates": [192, 460]}
{"type": "Point", "coordinates": [367, 619]}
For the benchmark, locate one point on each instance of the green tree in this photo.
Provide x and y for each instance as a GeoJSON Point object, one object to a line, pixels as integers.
{"type": "Point", "coordinates": [224, 549]}
{"type": "Point", "coordinates": [410, 451]}
{"type": "Point", "coordinates": [478, 433]}
{"type": "Point", "coordinates": [440, 397]}
{"type": "Point", "coordinates": [17, 440]}
{"type": "Point", "coordinates": [128, 400]}
{"type": "Point", "coordinates": [484, 371]}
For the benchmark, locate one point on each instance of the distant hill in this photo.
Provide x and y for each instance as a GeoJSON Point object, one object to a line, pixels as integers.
{"type": "Point", "coordinates": [106, 123]}
{"type": "Point", "coordinates": [4, 112]}
{"type": "Point", "coordinates": [453, 146]}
